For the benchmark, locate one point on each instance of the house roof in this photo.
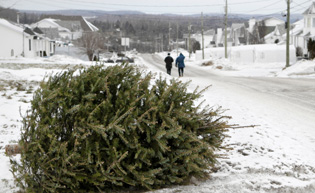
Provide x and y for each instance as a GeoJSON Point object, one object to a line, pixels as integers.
{"type": "Point", "coordinates": [265, 30]}
{"type": "Point", "coordinates": [16, 27]}
{"type": "Point", "coordinates": [209, 32]}
{"type": "Point", "coordinates": [10, 25]}
{"type": "Point", "coordinates": [272, 18]}
{"type": "Point", "coordinates": [310, 10]}
{"type": "Point", "coordinates": [29, 31]}
{"type": "Point", "coordinates": [237, 25]}
{"type": "Point", "coordinates": [281, 29]}
{"type": "Point", "coordinates": [85, 25]}
{"type": "Point", "coordinates": [37, 30]}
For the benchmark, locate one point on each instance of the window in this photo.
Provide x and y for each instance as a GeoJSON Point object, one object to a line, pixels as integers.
{"type": "Point", "coordinates": [313, 22]}
{"type": "Point", "coordinates": [12, 52]}
{"type": "Point", "coordinates": [30, 44]}
{"type": "Point", "coordinates": [308, 22]}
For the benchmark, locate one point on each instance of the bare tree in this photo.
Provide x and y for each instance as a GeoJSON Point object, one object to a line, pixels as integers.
{"type": "Point", "coordinates": [90, 42]}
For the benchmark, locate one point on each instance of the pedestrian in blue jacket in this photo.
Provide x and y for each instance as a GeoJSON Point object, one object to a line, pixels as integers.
{"type": "Point", "coordinates": [180, 64]}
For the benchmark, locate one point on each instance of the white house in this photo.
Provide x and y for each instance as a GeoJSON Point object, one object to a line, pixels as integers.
{"type": "Point", "coordinates": [303, 30]}
{"type": "Point", "coordinates": [208, 38]}
{"type": "Point", "coordinates": [267, 30]}
{"type": "Point", "coordinates": [238, 34]}
{"type": "Point", "coordinates": [49, 25]}
{"type": "Point", "coordinates": [17, 40]}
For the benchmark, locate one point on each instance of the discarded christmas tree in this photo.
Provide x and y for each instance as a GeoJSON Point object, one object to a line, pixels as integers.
{"type": "Point", "coordinates": [109, 128]}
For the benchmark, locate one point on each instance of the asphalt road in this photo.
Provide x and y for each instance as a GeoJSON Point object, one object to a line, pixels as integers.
{"type": "Point", "coordinates": [297, 92]}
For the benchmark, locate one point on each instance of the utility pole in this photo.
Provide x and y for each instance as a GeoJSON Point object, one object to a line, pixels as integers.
{"type": "Point", "coordinates": [225, 32]}
{"type": "Point", "coordinates": [162, 39]}
{"type": "Point", "coordinates": [177, 39]}
{"type": "Point", "coordinates": [202, 39]}
{"type": "Point", "coordinates": [189, 29]}
{"type": "Point", "coordinates": [288, 35]}
{"type": "Point", "coordinates": [169, 36]}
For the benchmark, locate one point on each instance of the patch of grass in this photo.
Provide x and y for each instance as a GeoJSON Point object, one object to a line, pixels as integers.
{"type": "Point", "coordinates": [209, 63]}
{"type": "Point", "coordinates": [23, 100]}
{"type": "Point", "coordinates": [5, 181]}
{"type": "Point", "coordinates": [2, 87]}
{"type": "Point", "coordinates": [20, 87]}
{"type": "Point", "coordinates": [30, 90]}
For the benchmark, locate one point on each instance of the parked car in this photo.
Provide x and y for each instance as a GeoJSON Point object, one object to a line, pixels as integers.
{"type": "Point", "coordinates": [125, 59]}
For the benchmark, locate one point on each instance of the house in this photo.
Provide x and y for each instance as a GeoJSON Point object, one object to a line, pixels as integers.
{"type": "Point", "coordinates": [301, 31]}
{"type": "Point", "coordinates": [266, 29]}
{"type": "Point", "coordinates": [220, 37]}
{"type": "Point", "coordinates": [208, 38]}
{"type": "Point", "coordinates": [276, 36]}
{"type": "Point", "coordinates": [18, 40]}
{"type": "Point", "coordinates": [301, 39]}
{"type": "Point", "coordinates": [67, 27]}
{"type": "Point", "coordinates": [298, 38]}
{"type": "Point", "coordinates": [237, 34]}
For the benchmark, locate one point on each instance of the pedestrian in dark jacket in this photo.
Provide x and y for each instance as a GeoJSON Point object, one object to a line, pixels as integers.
{"type": "Point", "coordinates": [180, 64]}
{"type": "Point", "coordinates": [168, 63]}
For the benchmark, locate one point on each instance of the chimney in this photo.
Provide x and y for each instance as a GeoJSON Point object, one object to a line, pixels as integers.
{"type": "Point", "coordinates": [18, 17]}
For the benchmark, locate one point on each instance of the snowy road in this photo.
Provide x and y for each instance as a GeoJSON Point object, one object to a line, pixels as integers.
{"type": "Point", "coordinates": [299, 92]}
{"type": "Point", "coordinates": [275, 156]}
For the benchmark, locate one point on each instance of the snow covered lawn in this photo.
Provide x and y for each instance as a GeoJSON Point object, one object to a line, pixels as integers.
{"type": "Point", "coordinates": [265, 158]}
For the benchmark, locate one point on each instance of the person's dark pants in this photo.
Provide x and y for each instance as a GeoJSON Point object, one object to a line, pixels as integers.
{"type": "Point", "coordinates": [181, 71]}
{"type": "Point", "coordinates": [168, 70]}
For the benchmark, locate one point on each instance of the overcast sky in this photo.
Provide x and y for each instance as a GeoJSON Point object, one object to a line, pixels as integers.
{"type": "Point", "coordinates": [183, 7]}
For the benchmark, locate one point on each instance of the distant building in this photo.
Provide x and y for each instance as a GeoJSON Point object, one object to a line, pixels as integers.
{"type": "Point", "coordinates": [238, 34]}
{"type": "Point", "coordinates": [263, 31]}
{"type": "Point", "coordinates": [60, 27]}
{"type": "Point", "coordinates": [17, 40]}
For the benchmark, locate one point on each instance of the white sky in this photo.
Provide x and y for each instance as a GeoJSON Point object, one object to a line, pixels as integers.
{"type": "Point", "coordinates": [183, 7]}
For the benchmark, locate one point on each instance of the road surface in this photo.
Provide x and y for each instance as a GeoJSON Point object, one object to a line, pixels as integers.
{"type": "Point", "coordinates": [299, 92]}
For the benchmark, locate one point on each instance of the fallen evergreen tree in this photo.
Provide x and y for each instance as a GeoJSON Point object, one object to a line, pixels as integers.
{"type": "Point", "coordinates": [110, 128]}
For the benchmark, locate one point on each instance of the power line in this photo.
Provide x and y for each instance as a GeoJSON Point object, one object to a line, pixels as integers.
{"type": "Point", "coordinates": [167, 6]}
{"type": "Point", "coordinates": [269, 5]}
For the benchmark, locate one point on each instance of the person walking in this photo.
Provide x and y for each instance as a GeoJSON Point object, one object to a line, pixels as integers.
{"type": "Point", "coordinates": [168, 63]}
{"type": "Point", "coordinates": [180, 64]}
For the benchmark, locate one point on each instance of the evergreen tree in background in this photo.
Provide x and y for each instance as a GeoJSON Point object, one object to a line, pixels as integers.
{"type": "Point", "coordinates": [113, 128]}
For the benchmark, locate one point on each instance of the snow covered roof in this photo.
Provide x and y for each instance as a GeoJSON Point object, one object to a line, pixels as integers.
{"type": "Point", "coordinates": [272, 18]}
{"type": "Point", "coordinates": [281, 29]}
{"type": "Point", "coordinates": [298, 27]}
{"type": "Point", "coordinates": [91, 26]}
{"type": "Point", "coordinates": [62, 20]}
{"type": "Point", "coordinates": [310, 10]}
{"type": "Point", "coordinates": [237, 25]}
{"type": "Point", "coordinates": [15, 27]}
{"type": "Point", "coordinates": [37, 30]}
{"type": "Point", "coordinates": [10, 25]}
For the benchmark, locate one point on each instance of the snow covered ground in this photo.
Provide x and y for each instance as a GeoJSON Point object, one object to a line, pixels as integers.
{"type": "Point", "coordinates": [275, 156]}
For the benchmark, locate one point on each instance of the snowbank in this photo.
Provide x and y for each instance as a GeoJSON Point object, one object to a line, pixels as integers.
{"type": "Point", "coordinates": [249, 54]}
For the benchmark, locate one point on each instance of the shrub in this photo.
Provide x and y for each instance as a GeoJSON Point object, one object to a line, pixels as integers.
{"type": "Point", "coordinates": [311, 48]}
{"type": "Point", "coordinates": [109, 128]}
